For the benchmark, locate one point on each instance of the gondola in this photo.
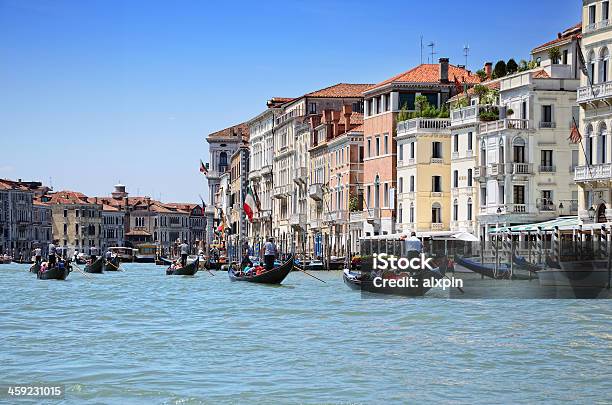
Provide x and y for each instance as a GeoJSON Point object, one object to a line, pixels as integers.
{"type": "Point", "coordinates": [163, 261]}
{"type": "Point", "coordinates": [95, 267]}
{"type": "Point", "coordinates": [274, 276]}
{"type": "Point", "coordinates": [58, 272]}
{"type": "Point", "coordinates": [503, 271]}
{"type": "Point", "coordinates": [189, 270]}
{"type": "Point", "coordinates": [212, 264]}
{"type": "Point", "coordinates": [362, 282]}
{"type": "Point", "coordinates": [112, 264]}
{"type": "Point", "coordinates": [522, 263]}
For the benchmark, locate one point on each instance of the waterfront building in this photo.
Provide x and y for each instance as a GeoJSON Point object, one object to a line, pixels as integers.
{"type": "Point", "coordinates": [292, 140]}
{"type": "Point", "coordinates": [423, 176]}
{"type": "Point", "coordinates": [222, 145]}
{"type": "Point", "coordinates": [238, 181]}
{"type": "Point", "coordinates": [77, 222]}
{"type": "Point", "coordinates": [261, 150]}
{"type": "Point", "coordinates": [24, 220]}
{"type": "Point", "coordinates": [383, 103]}
{"type": "Point", "coordinates": [524, 157]}
{"type": "Point", "coordinates": [112, 227]}
{"type": "Point", "coordinates": [594, 96]}
{"type": "Point", "coordinates": [345, 157]}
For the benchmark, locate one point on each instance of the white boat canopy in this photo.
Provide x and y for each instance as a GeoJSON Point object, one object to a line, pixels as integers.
{"type": "Point", "coordinates": [563, 223]}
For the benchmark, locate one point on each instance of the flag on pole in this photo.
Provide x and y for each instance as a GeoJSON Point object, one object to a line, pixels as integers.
{"type": "Point", "coordinates": [575, 136]}
{"type": "Point", "coordinates": [582, 64]}
{"type": "Point", "coordinates": [203, 168]}
{"type": "Point", "coordinates": [249, 204]}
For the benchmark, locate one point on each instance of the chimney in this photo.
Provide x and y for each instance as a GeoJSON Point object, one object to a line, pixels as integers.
{"type": "Point", "coordinates": [335, 117]}
{"type": "Point", "coordinates": [443, 70]}
{"type": "Point", "coordinates": [315, 121]}
{"type": "Point", "coordinates": [488, 68]}
{"type": "Point", "coordinates": [347, 111]}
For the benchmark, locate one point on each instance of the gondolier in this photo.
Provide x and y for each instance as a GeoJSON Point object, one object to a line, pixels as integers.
{"type": "Point", "coordinates": [52, 258]}
{"type": "Point", "coordinates": [184, 252]}
{"type": "Point", "coordinates": [37, 255]}
{"type": "Point", "coordinates": [93, 254]}
{"type": "Point", "coordinates": [270, 253]}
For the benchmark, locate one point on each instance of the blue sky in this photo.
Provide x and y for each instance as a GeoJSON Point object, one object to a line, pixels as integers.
{"type": "Point", "coordinates": [93, 92]}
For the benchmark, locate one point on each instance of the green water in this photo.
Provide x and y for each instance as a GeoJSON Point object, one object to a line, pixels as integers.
{"type": "Point", "coordinates": [142, 337]}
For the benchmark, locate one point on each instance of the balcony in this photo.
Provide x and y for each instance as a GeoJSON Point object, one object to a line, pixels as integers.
{"type": "Point", "coordinates": [469, 115]}
{"type": "Point", "coordinates": [436, 160]}
{"type": "Point", "coordinates": [266, 170]}
{"type": "Point", "coordinates": [480, 173]}
{"type": "Point", "coordinates": [297, 220]}
{"type": "Point", "coordinates": [356, 216]}
{"type": "Point", "coordinates": [497, 169]}
{"type": "Point", "coordinates": [516, 208]}
{"type": "Point", "coordinates": [300, 175]}
{"type": "Point", "coordinates": [568, 207]}
{"type": "Point", "coordinates": [545, 205]}
{"type": "Point", "coordinates": [594, 172]}
{"type": "Point", "coordinates": [547, 125]}
{"type": "Point", "coordinates": [546, 169]}
{"type": "Point", "coordinates": [436, 194]}
{"type": "Point", "coordinates": [254, 174]}
{"type": "Point", "coordinates": [505, 124]}
{"type": "Point", "coordinates": [436, 226]}
{"type": "Point", "coordinates": [520, 168]}
{"type": "Point", "coordinates": [315, 191]}
{"type": "Point", "coordinates": [600, 91]}
{"type": "Point", "coordinates": [373, 215]}
{"type": "Point", "coordinates": [339, 217]}
{"type": "Point", "coordinates": [596, 26]}
{"type": "Point", "coordinates": [423, 125]}
{"type": "Point", "coordinates": [281, 191]}
{"type": "Point", "coordinates": [315, 223]}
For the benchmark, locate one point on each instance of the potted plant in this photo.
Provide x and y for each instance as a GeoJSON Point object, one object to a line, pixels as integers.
{"type": "Point", "coordinates": [554, 54]}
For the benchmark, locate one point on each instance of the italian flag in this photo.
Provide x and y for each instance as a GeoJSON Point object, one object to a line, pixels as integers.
{"type": "Point", "coordinates": [249, 206]}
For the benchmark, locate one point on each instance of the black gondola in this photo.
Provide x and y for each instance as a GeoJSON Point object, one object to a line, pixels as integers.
{"type": "Point", "coordinates": [58, 272]}
{"type": "Point", "coordinates": [112, 264]}
{"type": "Point", "coordinates": [503, 272]}
{"type": "Point", "coordinates": [189, 270]}
{"type": "Point", "coordinates": [274, 276]}
{"type": "Point", "coordinates": [95, 267]}
{"type": "Point", "coordinates": [35, 268]}
{"type": "Point", "coordinates": [522, 263]}
{"type": "Point", "coordinates": [363, 282]}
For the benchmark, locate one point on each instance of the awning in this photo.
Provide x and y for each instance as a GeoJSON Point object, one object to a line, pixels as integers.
{"type": "Point", "coordinates": [563, 223]}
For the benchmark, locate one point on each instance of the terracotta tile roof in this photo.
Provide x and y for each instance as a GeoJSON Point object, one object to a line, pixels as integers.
{"type": "Point", "coordinates": [137, 232]}
{"type": "Point", "coordinates": [358, 128]}
{"type": "Point", "coordinates": [341, 90]}
{"type": "Point", "coordinates": [40, 203]}
{"type": "Point", "coordinates": [68, 197]}
{"type": "Point", "coordinates": [106, 207]}
{"type": "Point", "coordinates": [230, 132]}
{"type": "Point", "coordinates": [6, 184]}
{"type": "Point", "coordinates": [574, 31]}
{"type": "Point", "coordinates": [430, 73]}
{"type": "Point", "coordinates": [541, 74]}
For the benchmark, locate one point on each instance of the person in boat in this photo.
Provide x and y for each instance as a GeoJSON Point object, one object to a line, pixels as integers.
{"type": "Point", "coordinates": [52, 252]}
{"type": "Point", "coordinates": [184, 252]}
{"type": "Point", "coordinates": [37, 255]}
{"type": "Point", "coordinates": [108, 256]}
{"type": "Point", "coordinates": [93, 255]}
{"type": "Point", "coordinates": [270, 254]}
{"type": "Point", "coordinates": [413, 246]}
{"type": "Point", "coordinates": [246, 261]}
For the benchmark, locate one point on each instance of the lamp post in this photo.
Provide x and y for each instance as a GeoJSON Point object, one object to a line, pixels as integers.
{"type": "Point", "coordinates": [591, 213]}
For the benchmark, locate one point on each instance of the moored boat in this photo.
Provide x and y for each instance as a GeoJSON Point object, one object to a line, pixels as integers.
{"type": "Point", "coordinates": [273, 276]}
{"type": "Point", "coordinates": [59, 272]}
{"type": "Point", "coordinates": [124, 254]}
{"type": "Point", "coordinates": [189, 270]}
{"type": "Point", "coordinates": [417, 288]}
{"type": "Point", "coordinates": [95, 267]}
{"type": "Point", "coordinates": [575, 274]}
{"type": "Point", "coordinates": [145, 253]}
{"type": "Point", "coordinates": [503, 272]}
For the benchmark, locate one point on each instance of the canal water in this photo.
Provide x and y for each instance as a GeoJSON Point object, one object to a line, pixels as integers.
{"type": "Point", "coordinates": [142, 337]}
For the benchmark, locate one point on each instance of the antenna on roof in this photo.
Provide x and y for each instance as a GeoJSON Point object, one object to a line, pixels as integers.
{"type": "Point", "coordinates": [466, 52]}
{"type": "Point", "coordinates": [421, 49]}
{"type": "Point", "coordinates": [432, 45]}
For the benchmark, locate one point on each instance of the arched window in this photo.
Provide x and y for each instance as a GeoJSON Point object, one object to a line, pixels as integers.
{"type": "Point", "coordinates": [377, 191]}
{"type": "Point", "coordinates": [436, 213]}
{"type": "Point", "coordinates": [602, 147]}
{"type": "Point", "coordinates": [604, 57]}
{"type": "Point", "coordinates": [469, 209]}
{"type": "Point", "coordinates": [591, 66]}
{"type": "Point", "coordinates": [455, 210]}
{"type": "Point", "coordinates": [589, 144]}
{"type": "Point", "coordinates": [518, 149]}
{"type": "Point", "coordinates": [222, 161]}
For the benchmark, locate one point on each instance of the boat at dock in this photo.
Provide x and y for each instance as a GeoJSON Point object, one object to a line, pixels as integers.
{"type": "Point", "coordinates": [575, 274]}
{"type": "Point", "coordinates": [125, 254]}
{"type": "Point", "coordinates": [503, 271]}
{"type": "Point", "coordinates": [310, 265]}
{"type": "Point", "coordinates": [273, 276]}
{"type": "Point", "coordinates": [145, 253]}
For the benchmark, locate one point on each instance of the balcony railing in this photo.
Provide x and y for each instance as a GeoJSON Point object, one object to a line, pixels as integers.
{"type": "Point", "coordinates": [501, 125]}
{"type": "Point", "coordinates": [545, 205]}
{"type": "Point", "coordinates": [497, 169]}
{"type": "Point", "coordinates": [423, 125]}
{"type": "Point", "coordinates": [480, 172]}
{"type": "Point", "coordinates": [340, 216]}
{"type": "Point", "coordinates": [300, 175]}
{"type": "Point", "coordinates": [266, 170]}
{"type": "Point", "coordinates": [437, 160]}
{"type": "Point", "coordinates": [547, 169]}
{"type": "Point", "coordinates": [297, 219]}
{"type": "Point", "coordinates": [596, 92]}
{"type": "Point", "coordinates": [546, 124]}
{"type": "Point", "coordinates": [470, 114]}
{"type": "Point", "coordinates": [517, 208]}
{"type": "Point", "coordinates": [356, 216]}
{"type": "Point", "coordinates": [373, 214]}
{"type": "Point", "coordinates": [596, 26]}
{"type": "Point", "coordinates": [521, 168]}
{"type": "Point", "coordinates": [315, 223]}
{"type": "Point", "coordinates": [437, 226]}
{"type": "Point", "coordinates": [281, 191]}
{"type": "Point", "coordinates": [594, 172]}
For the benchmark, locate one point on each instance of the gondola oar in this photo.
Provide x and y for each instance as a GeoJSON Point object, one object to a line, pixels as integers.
{"type": "Point", "coordinates": [81, 271]}
{"type": "Point", "coordinates": [303, 271]}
